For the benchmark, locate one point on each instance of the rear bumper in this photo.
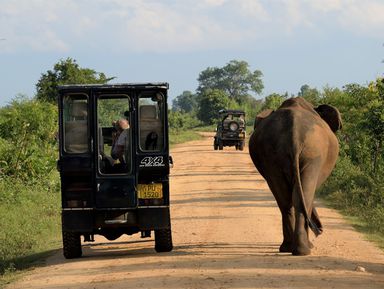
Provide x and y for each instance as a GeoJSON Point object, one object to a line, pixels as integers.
{"type": "Point", "coordinates": [91, 220]}
{"type": "Point", "coordinates": [235, 139]}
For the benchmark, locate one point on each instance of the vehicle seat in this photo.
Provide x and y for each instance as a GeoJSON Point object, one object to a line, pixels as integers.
{"type": "Point", "coordinates": [76, 129]}
{"type": "Point", "coordinates": [151, 130]}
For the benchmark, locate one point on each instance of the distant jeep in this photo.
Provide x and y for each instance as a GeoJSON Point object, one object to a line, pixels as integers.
{"type": "Point", "coordinates": [230, 129]}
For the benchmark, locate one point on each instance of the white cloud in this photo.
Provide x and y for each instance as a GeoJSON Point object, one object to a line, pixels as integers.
{"type": "Point", "coordinates": [213, 2]}
{"type": "Point", "coordinates": [253, 8]}
{"type": "Point", "coordinates": [171, 25]}
{"type": "Point", "coordinates": [327, 5]}
{"type": "Point", "coordinates": [364, 17]}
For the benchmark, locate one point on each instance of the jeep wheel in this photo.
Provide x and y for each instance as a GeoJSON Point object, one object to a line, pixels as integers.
{"type": "Point", "coordinates": [215, 146]}
{"type": "Point", "coordinates": [163, 240]}
{"type": "Point", "coordinates": [241, 145]}
{"type": "Point", "coordinates": [71, 245]}
{"type": "Point", "coordinates": [221, 146]}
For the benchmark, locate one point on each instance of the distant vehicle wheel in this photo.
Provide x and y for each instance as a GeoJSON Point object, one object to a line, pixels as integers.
{"type": "Point", "coordinates": [163, 240]}
{"type": "Point", "coordinates": [241, 146]}
{"type": "Point", "coordinates": [221, 146]}
{"type": "Point", "coordinates": [71, 245]}
{"type": "Point", "coordinates": [215, 145]}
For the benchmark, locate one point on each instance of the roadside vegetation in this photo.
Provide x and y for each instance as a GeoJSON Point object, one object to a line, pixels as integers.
{"type": "Point", "coordinates": [29, 183]}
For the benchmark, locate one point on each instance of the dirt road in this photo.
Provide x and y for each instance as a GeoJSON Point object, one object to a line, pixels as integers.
{"type": "Point", "coordinates": [226, 232]}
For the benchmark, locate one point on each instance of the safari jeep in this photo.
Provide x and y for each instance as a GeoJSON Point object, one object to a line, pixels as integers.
{"type": "Point", "coordinates": [102, 195]}
{"type": "Point", "coordinates": [230, 130]}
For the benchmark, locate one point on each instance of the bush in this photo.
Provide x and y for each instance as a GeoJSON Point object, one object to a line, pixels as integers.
{"type": "Point", "coordinates": [29, 183]}
{"type": "Point", "coordinates": [355, 193]}
{"type": "Point", "coordinates": [27, 138]}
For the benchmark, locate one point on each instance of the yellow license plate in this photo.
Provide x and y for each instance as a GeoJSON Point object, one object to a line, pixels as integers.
{"type": "Point", "coordinates": [150, 191]}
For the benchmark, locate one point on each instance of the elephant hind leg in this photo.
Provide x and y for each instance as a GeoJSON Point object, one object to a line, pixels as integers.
{"type": "Point", "coordinates": [282, 193]}
{"type": "Point", "coordinates": [288, 221]}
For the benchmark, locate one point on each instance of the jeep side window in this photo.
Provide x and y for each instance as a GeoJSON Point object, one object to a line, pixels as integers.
{"type": "Point", "coordinates": [151, 124]}
{"type": "Point", "coordinates": [75, 123]}
{"type": "Point", "coordinates": [114, 134]}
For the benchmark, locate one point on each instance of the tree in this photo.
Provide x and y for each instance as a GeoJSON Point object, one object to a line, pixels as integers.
{"type": "Point", "coordinates": [186, 102]}
{"type": "Point", "coordinates": [273, 101]}
{"type": "Point", "coordinates": [310, 94]}
{"type": "Point", "coordinates": [211, 101]}
{"type": "Point", "coordinates": [66, 72]}
{"type": "Point", "coordinates": [374, 121]}
{"type": "Point", "coordinates": [235, 79]}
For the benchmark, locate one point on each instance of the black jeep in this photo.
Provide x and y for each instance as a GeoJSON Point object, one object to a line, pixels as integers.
{"type": "Point", "coordinates": [230, 129]}
{"type": "Point", "coordinates": [104, 192]}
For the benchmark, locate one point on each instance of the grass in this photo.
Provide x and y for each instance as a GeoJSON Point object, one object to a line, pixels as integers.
{"type": "Point", "coordinates": [359, 222]}
{"type": "Point", "coordinates": [30, 226]}
{"type": "Point", "coordinates": [181, 136]}
{"type": "Point", "coordinates": [364, 228]}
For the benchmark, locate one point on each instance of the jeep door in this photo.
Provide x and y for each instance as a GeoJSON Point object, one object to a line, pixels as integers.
{"type": "Point", "coordinates": [115, 180]}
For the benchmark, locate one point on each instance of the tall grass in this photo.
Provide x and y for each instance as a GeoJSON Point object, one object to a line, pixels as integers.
{"type": "Point", "coordinates": [30, 220]}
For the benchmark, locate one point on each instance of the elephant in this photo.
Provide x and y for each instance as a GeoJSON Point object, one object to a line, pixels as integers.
{"type": "Point", "coordinates": [295, 149]}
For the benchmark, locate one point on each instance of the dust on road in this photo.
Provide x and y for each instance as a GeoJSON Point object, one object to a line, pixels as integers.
{"type": "Point", "coordinates": [226, 232]}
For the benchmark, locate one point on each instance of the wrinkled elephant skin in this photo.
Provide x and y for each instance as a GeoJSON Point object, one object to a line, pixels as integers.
{"type": "Point", "coordinates": [295, 149]}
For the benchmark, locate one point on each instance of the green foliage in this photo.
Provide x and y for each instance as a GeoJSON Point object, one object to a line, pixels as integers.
{"type": "Point", "coordinates": [27, 138]}
{"type": "Point", "coordinates": [181, 121]}
{"type": "Point", "coordinates": [111, 110]}
{"type": "Point", "coordinates": [186, 102]}
{"type": "Point", "coordinates": [355, 185]}
{"type": "Point", "coordinates": [362, 110]}
{"type": "Point", "coordinates": [66, 72]}
{"type": "Point", "coordinates": [228, 87]}
{"type": "Point", "coordinates": [29, 186]}
{"type": "Point", "coordinates": [235, 79]}
{"type": "Point", "coordinates": [310, 94]}
{"type": "Point", "coordinates": [273, 101]}
{"type": "Point", "coordinates": [210, 104]}
{"type": "Point", "coordinates": [353, 191]}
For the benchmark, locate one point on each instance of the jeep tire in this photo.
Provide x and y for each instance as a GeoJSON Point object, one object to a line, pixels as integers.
{"type": "Point", "coordinates": [241, 145]}
{"type": "Point", "coordinates": [71, 245]}
{"type": "Point", "coordinates": [215, 145]}
{"type": "Point", "coordinates": [163, 240]}
{"type": "Point", "coordinates": [221, 145]}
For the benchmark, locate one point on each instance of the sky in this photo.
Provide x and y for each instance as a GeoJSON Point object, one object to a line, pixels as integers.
{"type": "Point", "coordinates": [292, 42]}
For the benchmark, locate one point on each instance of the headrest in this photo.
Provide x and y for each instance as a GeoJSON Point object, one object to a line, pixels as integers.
{"type": "Point", "coordinates": [79, 109]}
{"type": "Point", "coordinates": [148, 111]}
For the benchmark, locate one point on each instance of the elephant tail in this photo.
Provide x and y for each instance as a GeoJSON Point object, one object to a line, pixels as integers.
{"type": "Point", "coordinates": [312, 225]}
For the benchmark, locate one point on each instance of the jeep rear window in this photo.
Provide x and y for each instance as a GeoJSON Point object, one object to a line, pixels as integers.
{"type": "Point", "coordinates": [151, 122]}
{"type": "Point", "coordinates": [75, 123]}
{"type": "Point", "coordinates": [114, 135]}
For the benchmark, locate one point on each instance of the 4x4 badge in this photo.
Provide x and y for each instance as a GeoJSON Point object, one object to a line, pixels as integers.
{"type": "Point", "coordinates": [152, 162]}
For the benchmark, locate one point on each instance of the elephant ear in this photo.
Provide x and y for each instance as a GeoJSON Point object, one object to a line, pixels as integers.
{"type": "Point", "coordinates": [261, 116]}
{"type": "Point", "coordinates": [331, 116]}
